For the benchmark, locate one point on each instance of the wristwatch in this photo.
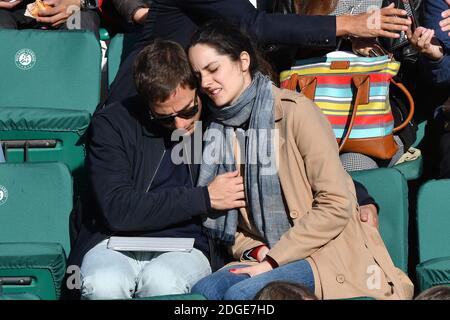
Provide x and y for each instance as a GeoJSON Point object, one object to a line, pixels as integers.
{"type": "Point", "coordinates": [88, 4]}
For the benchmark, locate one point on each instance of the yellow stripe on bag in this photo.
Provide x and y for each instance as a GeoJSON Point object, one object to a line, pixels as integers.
{"type": "Point", "coordinates": [390, 68]}
{"type": "Point", "coordinates": [380, 107]}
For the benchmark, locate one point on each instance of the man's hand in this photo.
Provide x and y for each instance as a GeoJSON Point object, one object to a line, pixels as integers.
{"type": "Point", "coordinates": [253, 270]}
{"type": "Point", "coordinates": [140, 15]}
{"type": "Point", "coordinates": [368, 213]}
{"type": "Point", "coordinates": [445, 23]}
{"type": "Point", "coordinates": [226, 191]}
{"type": "Point", "coordinates": [59, 13]}
{"type": "Point", "coordinates": [380, 23]}
{"type": "Point", "coordinates": [363, 46]}
{"type": "Point", "coordinates": [6, 4]}
{"type": "Point", "coordinates": [424, 42]}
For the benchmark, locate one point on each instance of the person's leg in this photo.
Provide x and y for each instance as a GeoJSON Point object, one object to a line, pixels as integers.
{"type": "Point", "coordinates": [108, 274]}
{"type": "Point", "coordinates": [299, 272]}
{"type": "Point", "coordinates": [172, 273]}
{"type": "Point", "coordinates": [15, 18]}
{"type": "Point", "coordinates": [216, 285]}
{"type": "Point", "coordinates": [352, 161]}
{"type": "Point", "coordinates": [7, 20]}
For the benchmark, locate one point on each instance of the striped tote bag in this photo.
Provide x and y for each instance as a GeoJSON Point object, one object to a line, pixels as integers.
{"type": "Point", "coordinates": [353, 92]}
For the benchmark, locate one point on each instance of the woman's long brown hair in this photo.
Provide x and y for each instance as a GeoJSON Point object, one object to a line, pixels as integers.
{"type": "Point", "coordinates": [315, 7]}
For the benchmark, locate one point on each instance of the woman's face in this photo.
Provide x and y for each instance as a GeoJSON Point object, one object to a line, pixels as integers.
{"type": "Point", "coordinates": [222, 79]}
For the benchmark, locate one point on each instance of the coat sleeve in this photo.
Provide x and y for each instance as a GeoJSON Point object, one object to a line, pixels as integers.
{"type": "Point", "coordinates": [243, 242]}
{"type": "Point", "coordinates": [333, 202]}
{"type": "Point", "coordinates": [127, 8]}
{"type": "Point", "coordinates": [291, 29]}
{"type": "Point", "coordinates": [123, 208]}
{"type": "Point", "coordinates": [438, 72]}
{"type": "Point", "coordinates": [363, 196]}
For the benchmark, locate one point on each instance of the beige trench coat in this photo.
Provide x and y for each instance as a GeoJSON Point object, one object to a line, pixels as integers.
{"type": "Point", "coordinates": [348, 258]}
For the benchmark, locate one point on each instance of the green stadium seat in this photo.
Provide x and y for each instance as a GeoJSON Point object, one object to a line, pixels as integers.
{"type": "Point", "coordinates": [119, 48]}
{"type": "Point", "coordinates": [411, 170]}
{"type": "Point", "coordinates": [389, 189]}
{"type": "Point", "coordinates": [49, 88]}
{"type": "Point", "coordinates": [19, 296]}
{"type": "Point", "coordinates": [433, 225]}
{"type": "Point", "coordinates": [35, 205]}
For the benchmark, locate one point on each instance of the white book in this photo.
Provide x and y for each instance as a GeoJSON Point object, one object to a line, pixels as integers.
{"type": "Point", "coordinates": [151, 244]}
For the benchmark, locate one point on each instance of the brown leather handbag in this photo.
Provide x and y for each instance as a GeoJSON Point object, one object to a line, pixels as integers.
{"type": "Point", "coordinates": [354, 95]}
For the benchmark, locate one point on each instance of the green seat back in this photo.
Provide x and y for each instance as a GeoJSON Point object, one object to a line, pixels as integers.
{"type": "Point", "coordinates": [119, 48]}
{"type": "Point", "coordinates": [433, 220]}
{"type": "Point", "coordinates": [49, 87]}
{"type": "Point", "coordinates": [389, 189]}
{"type": "Point", "coordinates": [50, 69]}
{"type": "Point", "coordinates": [35, 203]}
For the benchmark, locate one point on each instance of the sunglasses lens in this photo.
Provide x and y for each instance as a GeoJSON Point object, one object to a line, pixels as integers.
{"type": "Point", "coordinates": [186, 114]}
{"type": "Point", "coordinates": [189, 113]}
{"type": "Point", "coordinates": [167, 120]}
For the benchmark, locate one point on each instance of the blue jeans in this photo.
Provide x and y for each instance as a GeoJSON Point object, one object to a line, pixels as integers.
{"type": "Point", "coordinates": [224, 285]}
{"type": "Point", "coordinates": [108, 274]}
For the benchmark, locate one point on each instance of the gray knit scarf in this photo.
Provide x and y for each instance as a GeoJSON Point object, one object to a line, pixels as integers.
{"type": "Point", "coordinates": [262, 185]}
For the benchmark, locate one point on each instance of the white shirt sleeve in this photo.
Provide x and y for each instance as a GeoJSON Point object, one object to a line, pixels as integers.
{"type": "Point", "coordinates": [253, 2]}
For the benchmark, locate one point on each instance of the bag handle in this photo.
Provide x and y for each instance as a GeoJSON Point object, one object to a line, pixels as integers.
{"type": "Point", "coordinates": [362, 85]}
{"type": "Point", "coordinates": [306, 84]}
{"type": "Point", "coordinates": [411, 105]}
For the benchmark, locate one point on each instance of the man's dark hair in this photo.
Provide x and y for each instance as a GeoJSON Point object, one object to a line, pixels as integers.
{"type": "Point", "coordinates": [435, 293]}
{"type": "Point", "coordinates": [283, 290]}
{"type": "Point", "coordinates": [158, 70]}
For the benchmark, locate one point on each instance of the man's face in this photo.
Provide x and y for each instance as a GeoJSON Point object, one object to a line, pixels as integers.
{"type": "Point", "coordinates": [182, 101]}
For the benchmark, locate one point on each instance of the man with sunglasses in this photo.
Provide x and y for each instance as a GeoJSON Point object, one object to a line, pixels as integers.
{"type": "Point", "coordinates": [138, 190]}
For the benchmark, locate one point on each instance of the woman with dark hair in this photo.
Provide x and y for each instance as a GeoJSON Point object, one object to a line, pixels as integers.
{"type": "Point", "coordinates": [300, 222]}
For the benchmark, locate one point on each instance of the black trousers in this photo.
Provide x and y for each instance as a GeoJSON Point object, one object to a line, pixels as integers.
{"type": "Point", "coordinates": [15, 19]}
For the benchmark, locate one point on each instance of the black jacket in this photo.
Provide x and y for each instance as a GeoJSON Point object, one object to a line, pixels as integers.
{"type": "Point", "coordinates": [127, 8]}
{"type": "Point", "coordinates": [177, 20]}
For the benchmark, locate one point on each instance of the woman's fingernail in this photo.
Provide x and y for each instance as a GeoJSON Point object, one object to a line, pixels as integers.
{"type": "Point", "coordinates": [232, 270]}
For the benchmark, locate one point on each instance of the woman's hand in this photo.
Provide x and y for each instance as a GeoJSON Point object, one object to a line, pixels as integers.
{"type": "Point", "coordinates": [254, 270]}
{"type": "Point", "coordinates": [424, 42]}
{"type": "Point", "coordinates": [386, 22]}
{"type": "Point", "coordinates": [445, 23]}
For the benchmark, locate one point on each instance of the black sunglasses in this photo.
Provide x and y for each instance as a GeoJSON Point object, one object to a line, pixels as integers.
{"type": "Point", "coordinates": [185, 114]}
